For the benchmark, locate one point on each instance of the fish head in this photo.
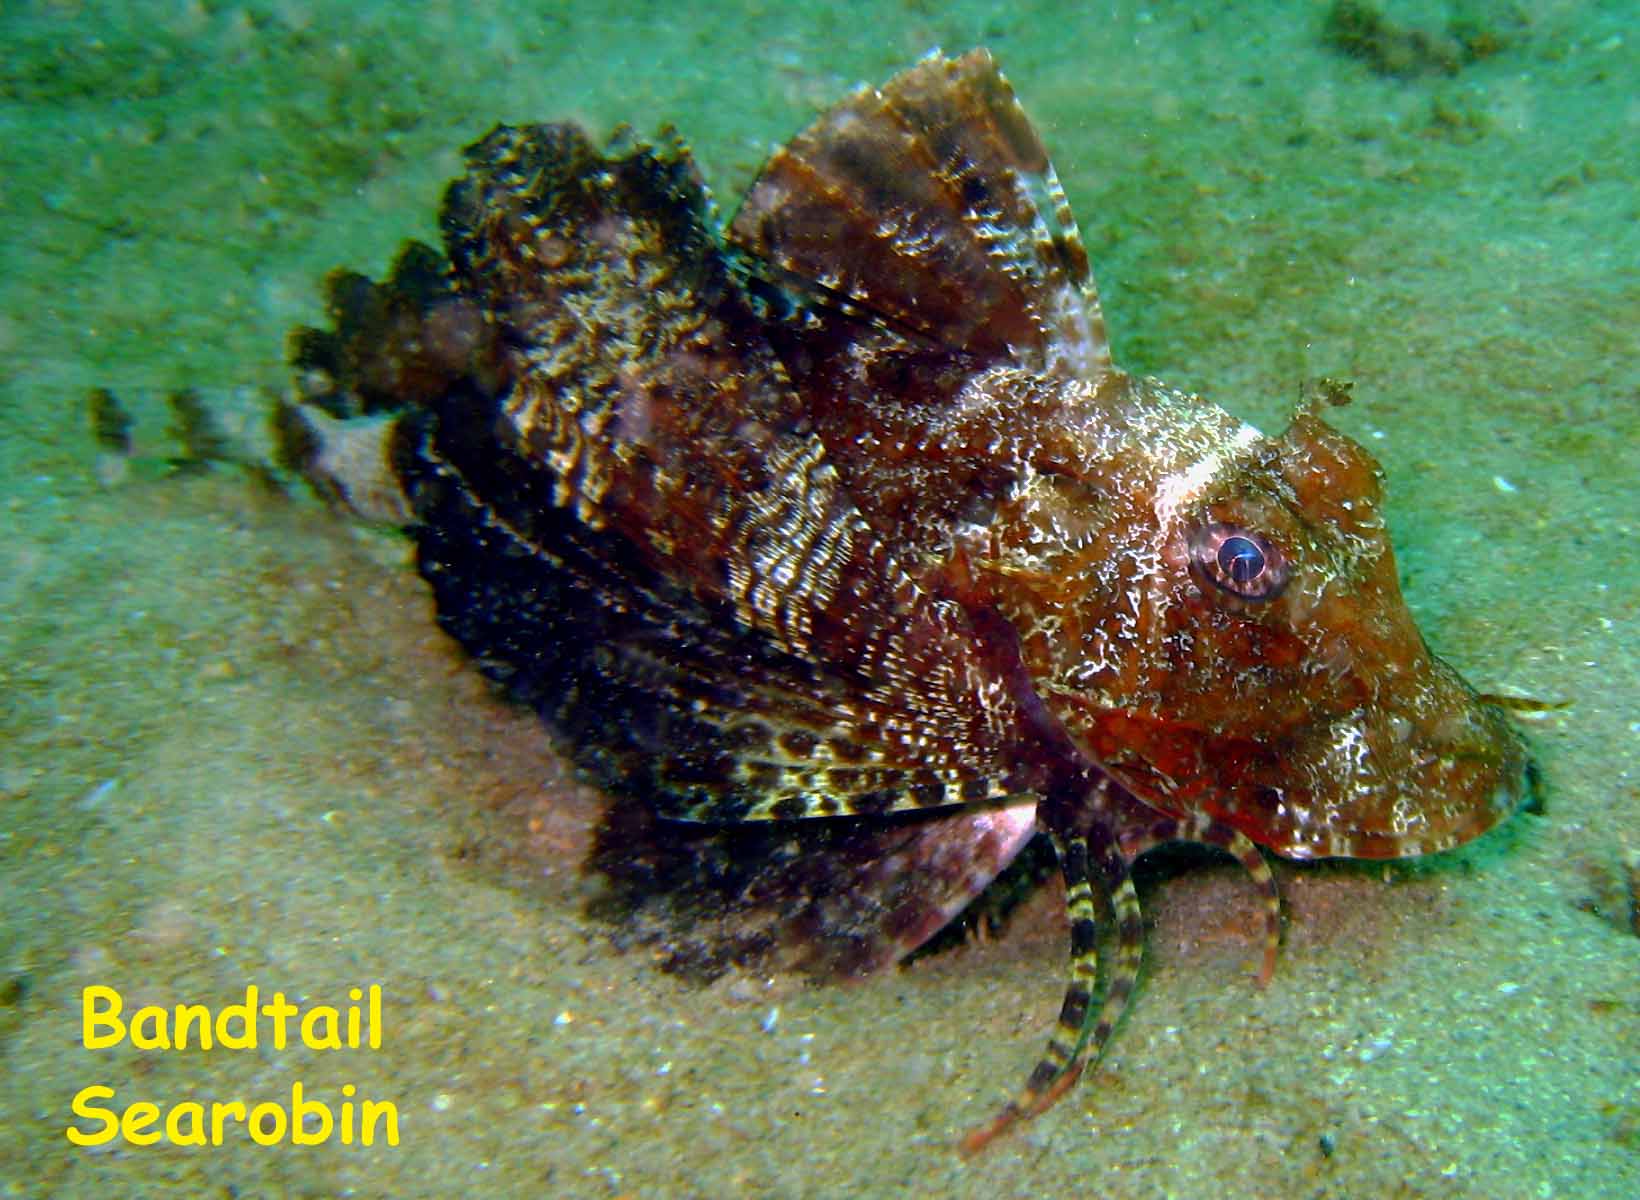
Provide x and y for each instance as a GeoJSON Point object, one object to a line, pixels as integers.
{"type": "Point", "coordinates": [1268, 672]}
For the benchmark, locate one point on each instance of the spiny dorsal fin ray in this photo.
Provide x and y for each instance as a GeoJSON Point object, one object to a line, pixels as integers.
{"type": "Point", "coordinates": [931, 202]}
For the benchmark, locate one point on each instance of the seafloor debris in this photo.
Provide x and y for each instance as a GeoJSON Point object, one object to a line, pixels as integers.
{"type": "Point", "coordinates": [111, 428]}
{"type": "Point", "coordinates": [110, 422]}
{"type": "Point", "coordinates": [835, 546]}
{"type": "Point", "coordinates": [1361, 30]}
{"type": "Point", "coordinates": [194, 427]}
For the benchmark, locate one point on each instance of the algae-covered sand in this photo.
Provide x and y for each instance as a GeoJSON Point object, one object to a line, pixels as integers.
{"type": "Point", "coordinates": [234, 748]}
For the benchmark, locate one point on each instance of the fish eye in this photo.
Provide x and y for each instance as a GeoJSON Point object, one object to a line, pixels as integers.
{"type": "Point", "coordinates": [1238, 561]}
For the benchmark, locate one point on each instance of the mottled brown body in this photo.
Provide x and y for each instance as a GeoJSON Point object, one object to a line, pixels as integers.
{"type": "Point", "coordinates": [847, 512]}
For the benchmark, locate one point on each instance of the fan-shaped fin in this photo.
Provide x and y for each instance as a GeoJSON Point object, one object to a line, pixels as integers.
{"type": "Point", "coordinates": [930, 202]}
{"type": "Point", "coordinates": [652, 453]}
{"type": "Point", "coordinates": [661, 693]}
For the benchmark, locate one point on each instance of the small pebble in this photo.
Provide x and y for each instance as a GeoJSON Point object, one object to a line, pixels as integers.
{"type": "Point", "coordinates": [93, 799]}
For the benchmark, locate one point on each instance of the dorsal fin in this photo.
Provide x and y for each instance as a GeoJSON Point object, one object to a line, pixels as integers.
{"type": "Point", "coordinates": [930, 203]}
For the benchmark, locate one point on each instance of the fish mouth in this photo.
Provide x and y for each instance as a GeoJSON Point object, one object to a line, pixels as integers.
{"type": "Point", "coordinates": [1463, 790]}
{"type": "Point", "coordinates": [1421, 768]}
{"type": "Point", "coordinates": [1508, 797]}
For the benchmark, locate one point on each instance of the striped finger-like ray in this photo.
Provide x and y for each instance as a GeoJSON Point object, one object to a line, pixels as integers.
{"type": "Point", "coordinates": [1204, 830]}
{"type": "Point", "coordinates": [1077, 1032]}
